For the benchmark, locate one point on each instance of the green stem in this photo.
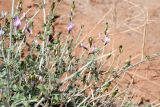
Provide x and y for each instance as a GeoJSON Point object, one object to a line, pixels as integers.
{"type": "Point", "coordinates": [79, 34]}
{"type": "Point", "coordinates": [9, 52]}
{"type": "Point", "coordinates": [44, 40]}
{"type": "Point", "coordinates": [11, 28]}
{"type": "Point", "coordinates": [83, 68]}
{"type": "Point", "coordinates": [3, 52]}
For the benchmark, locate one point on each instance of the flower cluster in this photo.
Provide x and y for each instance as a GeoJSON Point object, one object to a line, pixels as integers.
{"type": "Point", "coordinates": [93, 49]}
{"type": "Point", "coordinates": [17, 24]}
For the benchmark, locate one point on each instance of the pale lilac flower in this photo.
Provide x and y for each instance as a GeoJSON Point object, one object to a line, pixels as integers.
{"type": "Point", "coordinates": [1, 32]}
{"type": "Point", "coordinates": [17, 22]}
{"type": "Point", "coordinates": [106, 40]}
{"type": "Point", "coordinates": [93, 50]}
{"type": "Point", "coordinates": [70, 27]}
{"type": "Point", "coordinates": [82, 45]}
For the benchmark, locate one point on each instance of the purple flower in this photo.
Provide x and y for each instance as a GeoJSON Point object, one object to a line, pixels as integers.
{"type": "Point", "coordinates": [17, 22]}
{"type": "Point", "coordinates": [93, 50]}
{"type": "Point", "coordinates": [1, 32]}
{"type": "Point", "coordinates": [70, 27]}
{"type": "Point", "coordinates": [82, 45]}
{"type": "Point", "coordinates": [106, 40]}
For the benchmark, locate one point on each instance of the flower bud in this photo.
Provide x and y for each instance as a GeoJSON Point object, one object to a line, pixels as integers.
{"type": "Point", "coordinates": [70, 27]}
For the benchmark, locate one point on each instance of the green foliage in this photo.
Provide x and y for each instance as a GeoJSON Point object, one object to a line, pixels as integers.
{"type": "Point", "coordinates": [32, 74]}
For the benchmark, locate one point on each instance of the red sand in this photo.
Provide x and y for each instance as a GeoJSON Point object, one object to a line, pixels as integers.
{"type": "Point", "coordinates": [126, 25]}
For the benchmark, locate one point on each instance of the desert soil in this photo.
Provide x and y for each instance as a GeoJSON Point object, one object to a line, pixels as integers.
{"type": "Point", "coordinates": [129, 21]}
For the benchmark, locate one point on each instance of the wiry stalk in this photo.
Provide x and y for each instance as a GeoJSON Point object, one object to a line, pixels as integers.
{"type": "Point", "coordinates": [44, 39]}
{"type": "Point", "coordinates": [10, 46]}
{"type": "Point", "coordinates": [83, 68]}
{"type": "Point", "coordinates": [11, 28]}
{"type": "Point", "coordinates": [144, 34]}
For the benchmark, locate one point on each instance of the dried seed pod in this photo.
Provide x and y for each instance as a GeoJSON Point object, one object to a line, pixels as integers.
{"type": "Point", "coordinates": [106, 29]}
{"type": "Point", "coordinates": [120, 49]}
{"type": "Point", "coordinates": [90, 40]}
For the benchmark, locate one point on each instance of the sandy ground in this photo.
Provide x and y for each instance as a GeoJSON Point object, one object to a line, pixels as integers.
{"type": "Point", "coordinates": [129, 21]}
